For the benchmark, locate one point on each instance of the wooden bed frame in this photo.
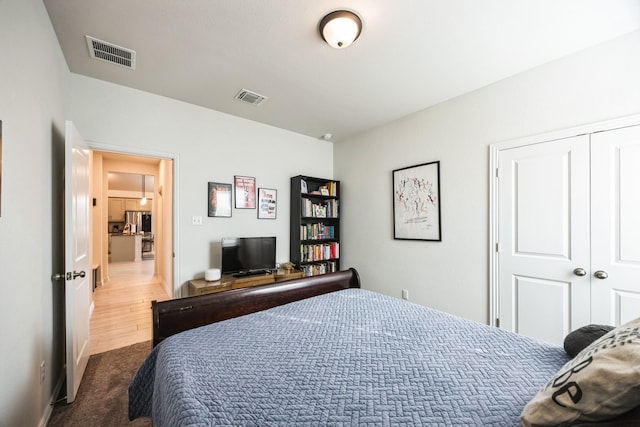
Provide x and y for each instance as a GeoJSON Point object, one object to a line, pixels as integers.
{"type": "Point", "coordinates": [174, 316]}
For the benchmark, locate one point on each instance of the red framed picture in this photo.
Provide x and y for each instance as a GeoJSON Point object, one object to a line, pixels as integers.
{"type": "Point", "coordinates": [245, 188]}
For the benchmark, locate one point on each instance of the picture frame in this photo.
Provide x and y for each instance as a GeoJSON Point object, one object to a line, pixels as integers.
{"type": "Point", "coordinates": [245, 189]}
{"type": "Point", "coordinates": [219, 200]}
{"type": "Point", "coordinates": [416, 202]}
{"type": "Point", "coordinates": [267, 203]}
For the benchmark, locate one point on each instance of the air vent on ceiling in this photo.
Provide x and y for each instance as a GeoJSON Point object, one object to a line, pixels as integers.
{"type": "Point", "coordinates": [250, 97]}
{"type": "Point", "coordinates": [109, 52]}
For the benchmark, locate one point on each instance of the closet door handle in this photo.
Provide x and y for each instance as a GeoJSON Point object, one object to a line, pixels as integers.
{"type": "Point", "coordinates": [580, 272]}
{"type": "Point", "coordinates": [601, 274]}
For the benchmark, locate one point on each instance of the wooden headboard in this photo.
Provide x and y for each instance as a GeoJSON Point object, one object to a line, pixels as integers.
{"type": "Point", "coordinates": [174, 316]}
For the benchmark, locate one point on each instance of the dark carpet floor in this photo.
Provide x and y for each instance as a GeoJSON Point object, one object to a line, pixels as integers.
{"type": "Point", "coordinates": [103, 398]}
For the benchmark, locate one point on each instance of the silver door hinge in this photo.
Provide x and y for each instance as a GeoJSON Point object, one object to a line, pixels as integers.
{"type": "Point", "coordinates": [497, 322]}
{"type": "Point", "coordinates": [497, 172]}
{"type": "Point", "coordinates": [498, 247]}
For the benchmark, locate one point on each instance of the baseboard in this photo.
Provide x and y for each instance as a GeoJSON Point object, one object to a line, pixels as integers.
{"type": "Point", "coordinates": [170, 292]}
{"type": "Point", "coordinates": [52, 400]}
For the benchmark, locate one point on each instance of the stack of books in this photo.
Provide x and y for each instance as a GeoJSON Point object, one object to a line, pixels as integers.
{"type": "Point", "coordinates": [320, 268]}
{"type": "Point", "coordinates": [317, 231]}
{"type": "Point", "coordinates": [319, 252]}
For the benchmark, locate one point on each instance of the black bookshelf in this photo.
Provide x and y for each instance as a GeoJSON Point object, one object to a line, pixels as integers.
{"type": "Point", "coordinates": [315, 225]}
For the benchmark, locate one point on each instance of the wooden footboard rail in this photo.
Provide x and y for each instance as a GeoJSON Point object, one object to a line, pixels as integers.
{"type": "Point", "coordinates": [174, 316]}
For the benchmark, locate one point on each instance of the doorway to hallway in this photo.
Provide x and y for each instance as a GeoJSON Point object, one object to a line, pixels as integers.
{"type": "Point", "coordinates": [122, 314]}
{"type": "Point", "coordinates": [127, 284]}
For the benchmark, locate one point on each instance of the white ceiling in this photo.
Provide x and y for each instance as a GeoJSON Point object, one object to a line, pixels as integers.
{"type": "Point", "coordinates": [412, 54]}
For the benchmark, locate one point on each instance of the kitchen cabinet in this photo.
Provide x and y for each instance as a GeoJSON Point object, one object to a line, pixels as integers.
{"type": "Point", "coordinates": [134, 205]}
{"type": "Point", "coordinates": [116, 209]}
{"type": "Point", "coordinates": [119, 205]}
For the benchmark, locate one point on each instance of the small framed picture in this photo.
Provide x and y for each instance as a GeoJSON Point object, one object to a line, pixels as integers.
{"type": "Point", "coordinates": [267, 203]}
{"type": "Point", "coordinates": [219, 199]}
{"type": "Point", "coordinates": [245, 187]}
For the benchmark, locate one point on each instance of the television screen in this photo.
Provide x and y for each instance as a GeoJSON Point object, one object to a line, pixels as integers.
{"type": "Point", "coordinates": [248, 255]}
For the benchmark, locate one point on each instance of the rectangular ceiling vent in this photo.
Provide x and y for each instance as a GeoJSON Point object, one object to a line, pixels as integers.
{"type": "Point", "coordinates": [250, 97]}
{"type": "Point", "coordinates": [109, 52]}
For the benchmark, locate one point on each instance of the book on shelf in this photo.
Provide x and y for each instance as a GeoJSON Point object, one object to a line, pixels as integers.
{"type": "Point", "coordinates": [317, 231]}
{"type": "Point", "coordinates": [331, 188]}
{"type": "Point", "coordinates": [328, 189]}
{"type": "Point", "coordinates": [319, 268]}
{"type": "Point", "coordinates": [328, 209]}
{"type": "Point", "coordinates": [319, 252]}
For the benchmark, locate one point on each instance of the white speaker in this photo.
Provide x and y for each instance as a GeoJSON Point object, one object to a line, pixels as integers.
{"type": "Point", "coordinates": [212, 274]}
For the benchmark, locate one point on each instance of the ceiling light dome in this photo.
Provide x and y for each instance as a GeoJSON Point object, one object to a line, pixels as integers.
{"type": "Point", "coordinates": [340, 28]}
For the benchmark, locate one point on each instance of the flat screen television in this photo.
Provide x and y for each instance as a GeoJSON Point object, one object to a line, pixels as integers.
{"type": "Point", "coordinates": [243, 256]}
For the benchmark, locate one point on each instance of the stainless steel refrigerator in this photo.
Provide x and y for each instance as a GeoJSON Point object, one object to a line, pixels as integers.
{"type": "Point", "coordinates": [138, 220]}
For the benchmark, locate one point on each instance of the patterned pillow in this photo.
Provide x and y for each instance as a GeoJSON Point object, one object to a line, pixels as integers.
{"type": "Point", "coordinates": [601, 382]}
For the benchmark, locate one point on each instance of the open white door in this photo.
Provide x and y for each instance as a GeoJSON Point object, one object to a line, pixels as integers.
{"type": "Point", "coordinates": [77, 258]}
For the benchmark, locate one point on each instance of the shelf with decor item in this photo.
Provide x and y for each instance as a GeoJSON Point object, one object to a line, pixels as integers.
{"type": "Point", "coordinates": [315, 225]}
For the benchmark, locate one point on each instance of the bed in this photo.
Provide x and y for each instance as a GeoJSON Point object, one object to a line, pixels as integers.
{"type": "Point", "coordinates": [322, 351]}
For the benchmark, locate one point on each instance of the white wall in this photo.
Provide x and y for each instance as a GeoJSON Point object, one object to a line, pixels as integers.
{"type": "Point", "coordinates": [32, 84]}
{"type": "Point", "coordinates": [595, 85]}
{"type": "Point", "coordinates": [209, 146]}
{"type": "Point", "coordinates": [452, 275]}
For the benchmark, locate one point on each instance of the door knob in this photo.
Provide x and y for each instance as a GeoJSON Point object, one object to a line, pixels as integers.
{"type": "Point", "coordinates": [580, 272]}
{"type": "Point", "coordinates": [601, 274]}
{"type": "Point", "coordinates": [68, 275]}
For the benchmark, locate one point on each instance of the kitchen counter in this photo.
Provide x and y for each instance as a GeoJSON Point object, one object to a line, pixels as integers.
{"type": "Point", "coordinates": [126, 247]}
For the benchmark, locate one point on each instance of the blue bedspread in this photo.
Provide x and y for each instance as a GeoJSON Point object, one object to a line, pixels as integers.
{"type": "Point", "coordinates": [348, 358]}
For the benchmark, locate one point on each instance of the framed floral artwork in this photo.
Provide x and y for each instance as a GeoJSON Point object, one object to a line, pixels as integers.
{"type": "Point", "coordinates": [416, 202]}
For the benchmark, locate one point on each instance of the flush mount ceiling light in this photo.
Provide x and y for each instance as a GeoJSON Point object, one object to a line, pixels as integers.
{"type": "Point", "coordinates": [340, 28]}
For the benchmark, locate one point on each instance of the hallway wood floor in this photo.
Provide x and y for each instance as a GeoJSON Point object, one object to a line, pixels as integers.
{"type": "Point", "coordinates": [122, 313]}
